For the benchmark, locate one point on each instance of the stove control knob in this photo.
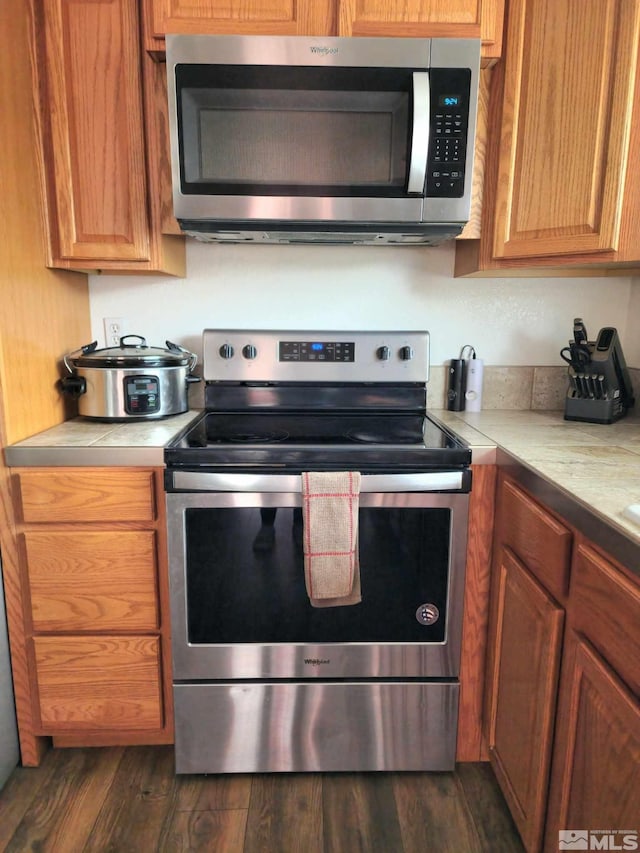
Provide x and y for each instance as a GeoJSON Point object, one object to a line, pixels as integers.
{"type": "Point", "coordinates": [406, 353]}
{"type": "Point", "coordinates": [226, 351]}
{"type": "Point", "coordinates": [249, 351]}
{"type": "Point", "coordinates": [383, 353]}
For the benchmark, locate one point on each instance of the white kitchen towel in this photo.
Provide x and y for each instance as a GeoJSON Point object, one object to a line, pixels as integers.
{"type": "Point", "coordinates": [330, 501]}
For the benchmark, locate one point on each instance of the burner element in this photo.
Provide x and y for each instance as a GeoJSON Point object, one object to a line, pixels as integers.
{"type": "Point", "coordinates": [364, 435]}
{"type": "Point", "coordinates": [257, 437]}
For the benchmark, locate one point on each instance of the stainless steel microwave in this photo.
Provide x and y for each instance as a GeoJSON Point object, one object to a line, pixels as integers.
{"type": "Point", "coordinates": [331, 140]}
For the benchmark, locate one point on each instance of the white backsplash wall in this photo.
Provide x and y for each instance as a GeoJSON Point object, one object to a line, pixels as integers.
{"type": "Point", "coordinates": [521, 321]}
{"type": "Point", "coordinates": [631, 340]}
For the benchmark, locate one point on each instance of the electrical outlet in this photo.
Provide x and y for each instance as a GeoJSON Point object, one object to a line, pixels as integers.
{"type": "Point", "coordinates": [113, 330]}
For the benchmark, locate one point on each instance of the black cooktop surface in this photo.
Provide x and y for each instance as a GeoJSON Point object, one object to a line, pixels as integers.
{"type": "Point", "coordinates": [324, 440]}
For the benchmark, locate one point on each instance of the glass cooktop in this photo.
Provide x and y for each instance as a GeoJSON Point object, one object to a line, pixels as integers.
{"type": "Point", "coordinates": [298, 440]}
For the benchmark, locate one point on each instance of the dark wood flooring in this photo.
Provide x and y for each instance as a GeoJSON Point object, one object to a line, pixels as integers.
{"type": "Point", "coordinates": [129, 799]}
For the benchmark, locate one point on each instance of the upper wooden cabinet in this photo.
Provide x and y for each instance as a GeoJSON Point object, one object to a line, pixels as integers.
{"type": "Point", "coordinates": [100, 212]}
{"type": "Point", "coordinates": [240, 17]}
{"type": "Point", "coordinates": [423, 18]}
{"type": "Point", "coordinates": [563, 129]}
{"type": "Point", "coordinates": [436, 18]}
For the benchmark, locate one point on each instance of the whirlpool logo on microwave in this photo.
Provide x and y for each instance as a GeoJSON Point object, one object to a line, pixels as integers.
{"type": "Point", "coordinates": [324, 51]}
{"type": "Point", "coordinates": [317, 661]}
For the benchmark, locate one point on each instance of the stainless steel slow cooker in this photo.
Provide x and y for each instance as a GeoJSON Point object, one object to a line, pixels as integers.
{"type": "Point", "coordinates": [130, 381]}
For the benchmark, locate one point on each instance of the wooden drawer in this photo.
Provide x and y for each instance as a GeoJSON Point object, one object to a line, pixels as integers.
{"type": "Point", "coordinates": [86, 581]}
{"type": "Point", "coordinates": [99, 683]}
{"type": "Point", "coordinates": [605, 607]}
{"type": "Point", "coordinates": [541, 543]}
{"type": "Point", "coordinates": [87, 494]}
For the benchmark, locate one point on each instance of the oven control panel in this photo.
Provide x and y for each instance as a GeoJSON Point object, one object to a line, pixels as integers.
{"type": "Point", "coordinates": [316, 351]}
{"type": "Point", "coordinates": [264, 356]}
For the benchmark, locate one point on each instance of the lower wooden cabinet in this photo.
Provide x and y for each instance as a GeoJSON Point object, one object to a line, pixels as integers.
{"type": "Point", "coordinates": [88, 581]}
{"type": "Point", "coordinates": [562, 700]}
{"type": "Point", "coordinates": [524, 683]}
{"type": "Point", "coordinates": [93, 542]}
{"type": "Point", "coordinates": [99, 682]}
{"type": "Point", "coordinates": [596, 782]}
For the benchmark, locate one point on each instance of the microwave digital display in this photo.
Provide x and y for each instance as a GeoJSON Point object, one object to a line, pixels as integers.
{"type": "Point", "coordinates": [449, 100]}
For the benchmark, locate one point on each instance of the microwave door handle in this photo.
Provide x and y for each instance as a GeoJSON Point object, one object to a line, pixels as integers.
{"type": "Point", "coordinates": [420, 135]}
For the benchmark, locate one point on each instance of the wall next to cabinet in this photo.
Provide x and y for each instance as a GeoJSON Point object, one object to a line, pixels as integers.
{"type": "Point", "coordinates": [521, 321]}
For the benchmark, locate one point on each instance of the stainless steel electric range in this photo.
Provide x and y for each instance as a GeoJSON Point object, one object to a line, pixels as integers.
{"type": "Point", "coordinates": [263, 680]}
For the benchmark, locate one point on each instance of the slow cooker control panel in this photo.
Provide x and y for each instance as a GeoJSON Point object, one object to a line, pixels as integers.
{"type": "Point", "coordinates": [141, 395]}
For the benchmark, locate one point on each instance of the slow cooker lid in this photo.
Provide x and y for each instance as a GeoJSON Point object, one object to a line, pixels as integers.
{"type": "Point", "coordinates": [131, 354]}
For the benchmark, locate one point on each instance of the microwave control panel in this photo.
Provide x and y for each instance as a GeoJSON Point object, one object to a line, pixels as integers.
{"type": "Point", "coordinates": [448, 131]}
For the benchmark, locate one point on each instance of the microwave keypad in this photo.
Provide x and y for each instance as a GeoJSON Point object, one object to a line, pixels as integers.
{"type": "Point", "coordinates": [448, 151]}
{"type": "Point", "coordinates": [448, 134]}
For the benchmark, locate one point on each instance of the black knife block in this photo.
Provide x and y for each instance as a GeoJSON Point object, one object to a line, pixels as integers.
{"type": "Point", "coordinates": [592, 411]}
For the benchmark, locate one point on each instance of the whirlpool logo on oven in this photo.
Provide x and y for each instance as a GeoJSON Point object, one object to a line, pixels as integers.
{"type": "Point", "coordinates": [324, 51]}
{"type": "Point", "coordinates": [317, 661]}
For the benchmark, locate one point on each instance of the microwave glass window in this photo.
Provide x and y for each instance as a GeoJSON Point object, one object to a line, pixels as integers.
{"type": "Point", "coordinates": [331, 132]}
{"type": "Point", "coordinates": [303, 138]}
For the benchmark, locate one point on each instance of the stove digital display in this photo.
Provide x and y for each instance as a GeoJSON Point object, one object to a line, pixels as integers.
{"type": "Point", "coordinates": [316, 351]}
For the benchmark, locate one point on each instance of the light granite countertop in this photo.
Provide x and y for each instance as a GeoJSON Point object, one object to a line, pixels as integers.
{"type": "Point", "coordinates": [597, 466]}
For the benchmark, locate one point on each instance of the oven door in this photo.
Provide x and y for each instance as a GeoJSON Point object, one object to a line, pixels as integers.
{"type": "Point", "coordinates": [238, 601]}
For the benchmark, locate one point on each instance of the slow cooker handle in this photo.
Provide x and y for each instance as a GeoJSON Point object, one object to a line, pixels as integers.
{"type": "Point", "coordinates": [194, 358]}
{"type": "Point", "coordinates": [74, 386]}
{"type": "Point", "coordinates": [143, 341]}
{"type": "Point", "coordinates": [85, 350]}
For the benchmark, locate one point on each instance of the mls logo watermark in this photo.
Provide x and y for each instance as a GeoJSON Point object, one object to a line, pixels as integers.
{"type": "Point", "coordinates": [598, 839]}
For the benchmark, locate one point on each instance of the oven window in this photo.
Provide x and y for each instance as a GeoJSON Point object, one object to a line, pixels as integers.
{"type": "Point", "coordinates": [245, 577]}
{"type": "Point", "coordinates": [255, 130]}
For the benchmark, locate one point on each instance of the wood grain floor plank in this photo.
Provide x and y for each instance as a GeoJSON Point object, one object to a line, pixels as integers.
{"type": "Point", "coordinates": [209, 793]}
{"type": "Point", "coordinates": [23, 787]}
{"type": "Point", "coordinates": [492, 820]}
{"type": "Point", "coordinates": [433, 815]}
{"type": "Point", "coordinates": [129, 800]}
{"type": "Point", "coordinates": [220, 831]}
{"type": "Point", "coordinates": [360, 814]}
{"type": "Point", "coordinates": [141, 796]}
{"type": "Point", "coordinates": [63, 814]}
{"type": "Point", "coordinates": [285, 814]}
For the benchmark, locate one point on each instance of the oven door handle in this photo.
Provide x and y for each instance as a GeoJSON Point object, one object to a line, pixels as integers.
{"type": "Point", "coordinates": [424, 481]}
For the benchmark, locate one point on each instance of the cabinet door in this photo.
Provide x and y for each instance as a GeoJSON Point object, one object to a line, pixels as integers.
{"type": "Point", "coordinates": [90, 109]}
{"type": "Point", "coordinates": [565, 126]}
{"type": "Point", "coordinates": [244, 17]}
{"type": "Point", "coordinates": [434, 18]}
{"type": "Point", "coordinates": [596, 760]}
{"type": "Point", "coordinates": [93, 101]}
{"type": "Point", "coordinates": [523, 685]}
